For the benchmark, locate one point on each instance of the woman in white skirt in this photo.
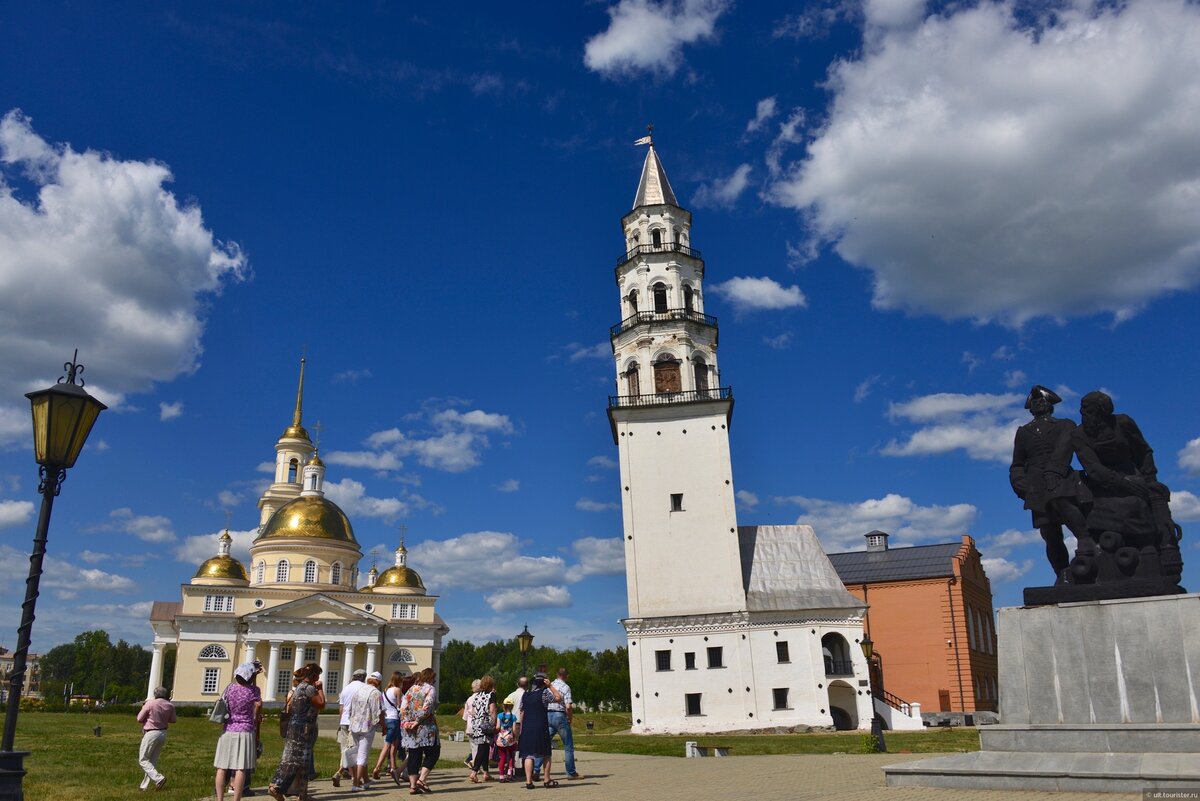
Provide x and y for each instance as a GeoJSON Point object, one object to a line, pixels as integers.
{"type": "Point", "coordinates": [237, 750]}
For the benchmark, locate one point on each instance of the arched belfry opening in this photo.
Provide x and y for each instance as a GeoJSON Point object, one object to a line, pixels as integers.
{"type": "Point", "coordinates": [700, 373]}
{"type": "Point", "coordinates": [660, 297]}
{"type": "Point", "coordinates": [666, 374]}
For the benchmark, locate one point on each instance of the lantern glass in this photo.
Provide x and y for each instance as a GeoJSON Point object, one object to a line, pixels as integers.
{"type": "Point", "coordinates": [63, 416]}
{"type": "Point", "coordinates": [525, 640]}
{"type": "Point", "coordinates": [868, 647]}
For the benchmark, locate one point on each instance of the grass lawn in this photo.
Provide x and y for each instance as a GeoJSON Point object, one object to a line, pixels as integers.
{"type": "Point", "coordinates": [69, 762]}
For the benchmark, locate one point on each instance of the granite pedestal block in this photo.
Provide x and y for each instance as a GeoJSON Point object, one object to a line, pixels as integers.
{"type": "Point", "coordinates": [1096, 697]}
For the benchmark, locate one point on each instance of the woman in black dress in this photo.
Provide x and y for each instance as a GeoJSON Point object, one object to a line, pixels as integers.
{"type": "Point", "coordinates": [534, 742]}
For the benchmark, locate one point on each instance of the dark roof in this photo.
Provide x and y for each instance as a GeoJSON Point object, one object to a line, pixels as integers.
{"type": "Point", "coordinates": [896, 564]}
{"type": "Point", "coordinates": [165, 610]}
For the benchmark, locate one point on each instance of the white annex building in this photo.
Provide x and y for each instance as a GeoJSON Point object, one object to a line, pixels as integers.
{"type": "Point", "coordinates": [730, 627]}
{"type": "Point", "coordinates": [300, 601]}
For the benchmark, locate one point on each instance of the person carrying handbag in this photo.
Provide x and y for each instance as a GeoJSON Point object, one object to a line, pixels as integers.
{"type": "Point", "coordinates": [237, 748]}
{"type": "Point", "coordinates": [306, 702]}
{"type": "Point", "coordinates": [482, 729]}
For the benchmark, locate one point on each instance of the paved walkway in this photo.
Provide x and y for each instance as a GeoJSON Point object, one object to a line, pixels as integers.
{"type": "Point", "coordinates": [846, 777]}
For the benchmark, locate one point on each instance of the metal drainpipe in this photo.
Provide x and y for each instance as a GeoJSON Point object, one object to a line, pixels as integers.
{"type": "Point", "coordinates": [954, 627]}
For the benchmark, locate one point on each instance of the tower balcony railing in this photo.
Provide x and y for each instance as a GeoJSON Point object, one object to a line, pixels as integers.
{"type": "Point", "coordinates": [662, 316]}
{"type": "Point", "coordinates": [665, 398]}
{"type": "Point", "coordinates": [838, 667]}
{"type": "Point", "coordinates": [665, 247]}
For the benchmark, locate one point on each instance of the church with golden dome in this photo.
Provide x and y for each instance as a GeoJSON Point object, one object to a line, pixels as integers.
{"type": "Point", "coordinates": [298, 600]}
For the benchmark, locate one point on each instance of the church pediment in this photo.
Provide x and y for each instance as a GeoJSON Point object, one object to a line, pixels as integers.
{"type": "Point", "coordinates": [316, 607]}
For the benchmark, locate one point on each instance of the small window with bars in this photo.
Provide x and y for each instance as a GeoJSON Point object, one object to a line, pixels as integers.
{"type": "Point", "coordinates": [691, 703]}
{"type": "Point", "coordinates": [310, 572]}
{"type": "Point", "coordinates": [689, 660]}
{"type": "Point", "coordinates": [310, 654]}
{"type": "Point", "coordinates": [212, 681]}
{"type": "Point", "coordinates": [662, 660]}
{"type": "Point", "coordinates": [781, 652]}
{"type": "Point", "coordinates": [286, 652]}
{"type": "Point", "coordinates": [715, 657]}
{"type": "Point", "coordinates": [335, 654]}
{"type": "Point", "coordinates": [404, 611]}
{"type": "Point", "coordinates": [780, 696]}
{"type": "Point", "coordinates": [332, 683]}
{"type": "Point", "coordinates": [283, 683]}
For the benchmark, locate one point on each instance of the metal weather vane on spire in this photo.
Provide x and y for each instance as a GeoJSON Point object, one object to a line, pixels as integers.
{"type": "Point", "coordinates": [648, 139]}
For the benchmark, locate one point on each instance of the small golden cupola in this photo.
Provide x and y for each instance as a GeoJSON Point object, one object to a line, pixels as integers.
{"type": "Point", "coordinates": [399, 579]}
{"type": "Point", "coordinates": [222, 570]}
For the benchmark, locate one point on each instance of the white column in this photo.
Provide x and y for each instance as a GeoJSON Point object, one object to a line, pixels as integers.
{"type": "Point", "coordinates": [325, 660]}
{"type": "Point", "coordinates": [272, 672]}
{"type": "Point", "coordinates": [251, 650]}
{"type": "Point", "coordinates": [372, 653]}
{"type": "Point", "coordinates": [156, 668]}
{"type": "Point", "coordinates": [299, 654]}
{"type": "Point", "coordinates": [347, 663]}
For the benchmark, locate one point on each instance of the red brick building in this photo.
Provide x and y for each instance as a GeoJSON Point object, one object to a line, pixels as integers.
{"type": "Point", "coordinates": [930, 617]}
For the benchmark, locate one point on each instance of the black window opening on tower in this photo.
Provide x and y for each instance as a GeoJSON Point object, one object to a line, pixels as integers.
{"type": "Point", "coordinates": [780, 695]}
{"type": "Point", "coordinates": [677, 502]}
{"type": "Point", "coordinates": [689, 660]}
{"type": "Point", "coordinates": [662, 660]}
{"type": "Point", "coordinates": [660, 298]}
{"type": "Point", "coordinates": [692, 704]}
{"type": "Point", "coordinates": [781, 652]}
{"type": "Point", "coordinates": [715, 658]}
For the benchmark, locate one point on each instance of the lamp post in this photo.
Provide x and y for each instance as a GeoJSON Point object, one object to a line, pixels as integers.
{"type": "Point", "coordinates": [868, 649]}
{"type": "Point", "coordinates": [524, 642]}
{"type": "Point", "coordinates": [63, 416]}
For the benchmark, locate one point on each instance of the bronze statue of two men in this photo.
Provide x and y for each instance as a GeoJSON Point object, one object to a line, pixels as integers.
{"type": "Point", "coordinates": [1115, 506]}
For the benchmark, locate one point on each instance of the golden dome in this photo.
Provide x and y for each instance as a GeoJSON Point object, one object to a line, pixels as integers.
{"type": "Point", "coordinates": [296, 431]}
{"type": "Point", "coordinates": [316, 460]}
{"type": "Point", "coordinates": [223, 567]}
{"type": "Point", "coordinates": [309, 516]}
{"type": "Point", "coordinates": [397, 580]}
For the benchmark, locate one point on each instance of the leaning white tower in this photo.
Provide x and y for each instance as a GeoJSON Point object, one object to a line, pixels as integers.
{"type": "Point", "coordinates": [728, 627]}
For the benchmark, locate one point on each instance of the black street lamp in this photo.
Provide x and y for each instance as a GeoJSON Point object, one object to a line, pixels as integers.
{"type": "Point", "coordinates": [868, 649]}
{"type": "Point", "coordinates": [63, 416]}
{"type": "Point", "coordinates": [524, 642]}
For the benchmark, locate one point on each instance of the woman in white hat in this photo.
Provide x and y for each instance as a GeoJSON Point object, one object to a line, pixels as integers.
{"type": "Point", "coordinates": [237, 749]}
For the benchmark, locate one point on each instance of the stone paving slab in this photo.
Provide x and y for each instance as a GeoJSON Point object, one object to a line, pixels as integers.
{"type": "Point", "coordinates": [846, 777]}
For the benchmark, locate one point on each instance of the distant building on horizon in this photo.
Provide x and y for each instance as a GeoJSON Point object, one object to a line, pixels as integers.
{"type": "Point", "coordinates": [929, 614]}
{"type": "Point", "coordinates": [727, 624]}
{"type": "Point", "coordinates": [300, 600]}
{"type": "Point", "coordinates": [32, 688]}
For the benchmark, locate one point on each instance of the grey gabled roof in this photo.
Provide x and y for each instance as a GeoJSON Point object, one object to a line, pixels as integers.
{"type": "Point", "coordinates": [896, 564]}
{"type": "Point", "coordinates": [784, 569]}
{"type": "Point", "coordinates": [654, 189]}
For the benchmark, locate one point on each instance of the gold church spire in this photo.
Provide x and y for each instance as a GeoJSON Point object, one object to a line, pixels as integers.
{"type": "Point", "coordinates": [295, 430]}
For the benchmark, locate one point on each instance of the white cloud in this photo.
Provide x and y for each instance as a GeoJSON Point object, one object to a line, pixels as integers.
{"type": "Point", "coordinates": [863, 390]}
{"type": "Point", "coordinates": [110, 255]}
{"type": "Point", "coordinates": [485, 421]}
{"type": "Point", "coordinates": [372, 460]}
{"type": "Point", "coordinates": [1000, 570]}
{"type": "Point", "coordinates": [893, 13]}
{"type": "Point", "coordinates": [1185, 506]}
{"type": "Point", "coordinates": [547, 597]}
{"type": "Point", "coordinates": [1015, 378]}
{"type": "Point", "coordinates": [352, 496]}
{"type": "Point", "coordinates": [148, 528]}
{"type": "Point", "coordinates": [1003, 354]}
{"type": "Point", "coordinates": [843, 526]}
{"type": "Point", "coordinates": [764, 111]}
{"type": "Point", "coordinates": [58, 574]}
{"type": "Point", "coordinates": [598, 556]}
{"type": "Point", "coordinates": [577, 352]}
{"type": "Point", "coordinates": [169, 411]}
{"type": "Point", "coordinates": [607, 462]}
{"type": "Point", "coordinates": [980, 425]}
{"type": "Point", "coordinates": [747, 294]}
{"type": "Point", "coordinates": [649, 36]}
{"type": "Point", "coordinates": [746, 500]}
{"type": "Point", "coordinates": [351, 376]}
{"type": "Point", "coordinates": [1006, 541]}
{"type": "Point", "coordinates": [723, 192]}
{"type": "Point", "coordinates": [971, 361]}
{"type": "Point", "coordinates": [511, 485]}
{"type": "Point", "coordinates": [589, 505]}
{"type": "Point", "coordinates": [15, 513]}
{"type": "Point", "coordinates": [1189, 457]}
{"type": "Point", "coordinates": [201, 547]}
{"type": "Point", "coordinates": [992, 166]}
{"type": "Point", "coordinates": [779, 342]}
{"type": "Point", "coordinates": [483, 561]}
{"type": "Point", "coordinates": [93, 557]}
{"type": "Point", "coordinates": [265, 467]}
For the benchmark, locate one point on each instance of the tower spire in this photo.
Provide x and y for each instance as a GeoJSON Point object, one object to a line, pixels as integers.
{"type": "Point", "coordinates": [299, 396]}
{"type": "Point", "coordinates": [653, 189]}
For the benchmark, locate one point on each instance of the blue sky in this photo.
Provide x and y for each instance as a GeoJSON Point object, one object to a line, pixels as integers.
{"type": "Point", "coordinates": [909, 214]}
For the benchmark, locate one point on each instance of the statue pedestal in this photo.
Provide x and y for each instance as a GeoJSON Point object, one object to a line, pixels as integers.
{"type": "Point", "coordinates": [1100, 696]}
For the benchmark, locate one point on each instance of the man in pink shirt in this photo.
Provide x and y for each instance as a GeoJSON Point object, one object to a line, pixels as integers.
{"type": "Point", "coordinates": [156, 715]}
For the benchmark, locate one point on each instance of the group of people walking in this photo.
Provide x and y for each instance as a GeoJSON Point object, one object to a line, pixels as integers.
{"type": "Point", "coordinates": [543, 709]}
{"type": "Point", "coordinates": [526, 722]}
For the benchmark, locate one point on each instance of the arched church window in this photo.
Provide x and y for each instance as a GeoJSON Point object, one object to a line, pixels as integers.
{"type": "Point", "coordinates": [402, 655]}
{"type": "Point", "coordinates": [633, 381]}
{"type": "Point", "coordinates": [660, 297]}
{"type": "Point", "coordinates": [335, 573]}
{"type": "Point", "coordinates": [656, 237]}
{"type": "Point", "coordinates": [700, 371]}
{"type": "Point", "coordinates": [292, 467]}
{"type": "Point", "coordinates": [633, 302]}
{"type": "Point", "coordinates": [282, 570]}
{"type": "Point", "coordinates": [688, 298]}
{"type": "Point", "coordinates": [666, 375]}
{"type": "Point", "coordinates": [310, 572]}
{"type": "Point", "coordinates": [260, 572]}
{"type": "Point", "coordinates": [213, 652]}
